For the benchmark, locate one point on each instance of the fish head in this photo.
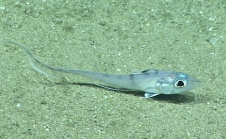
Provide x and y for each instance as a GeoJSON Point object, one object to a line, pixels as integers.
{"type": "Point", "coordinates": [177, 82]}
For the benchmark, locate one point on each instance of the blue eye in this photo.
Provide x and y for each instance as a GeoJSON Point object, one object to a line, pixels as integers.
{"type": "Point", "coordinates": [180, 83]}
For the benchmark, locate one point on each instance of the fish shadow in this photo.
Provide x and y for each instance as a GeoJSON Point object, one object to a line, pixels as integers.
{"type": "Point", "coordinates": [176, 98]}
{"type": "Point", "coordinates": [172, 98]}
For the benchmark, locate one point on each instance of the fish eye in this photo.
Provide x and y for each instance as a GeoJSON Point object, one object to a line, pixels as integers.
{"type": "Point", "coordinates": [180, 83]}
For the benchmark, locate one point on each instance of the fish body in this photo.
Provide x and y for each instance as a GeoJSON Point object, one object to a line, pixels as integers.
{"type": "Point", "coordinates": [151, 82]}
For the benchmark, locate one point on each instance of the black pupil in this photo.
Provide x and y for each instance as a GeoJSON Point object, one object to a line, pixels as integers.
{"type": "Point", "coordinates": [180, 83]}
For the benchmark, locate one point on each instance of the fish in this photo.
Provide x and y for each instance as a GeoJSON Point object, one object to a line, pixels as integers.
{"type": "Point", "coordinates": [150, 82]}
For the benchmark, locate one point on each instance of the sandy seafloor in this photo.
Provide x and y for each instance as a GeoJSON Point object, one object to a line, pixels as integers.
{"type": "Point", "coordinates": [116, 37]}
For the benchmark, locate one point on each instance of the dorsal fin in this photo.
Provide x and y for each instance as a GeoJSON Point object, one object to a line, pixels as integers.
{"type": "Point", "coordinates": [148, 71]}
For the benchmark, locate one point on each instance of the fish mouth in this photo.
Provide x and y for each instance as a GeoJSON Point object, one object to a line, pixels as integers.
{"type": "Point", "coordinates": [195, 82]}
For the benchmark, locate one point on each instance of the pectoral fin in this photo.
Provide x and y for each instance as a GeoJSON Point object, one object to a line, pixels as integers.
{"type": "Point", "coordinates": [149, 95]}
{"type": "Point", "coordinates": [151, 92]}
